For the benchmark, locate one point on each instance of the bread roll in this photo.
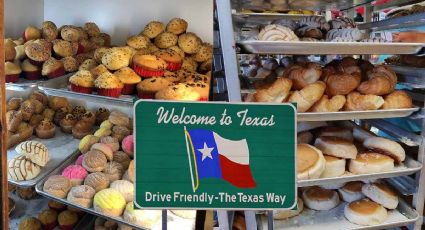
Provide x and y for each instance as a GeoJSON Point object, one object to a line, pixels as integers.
{"type": "Point", "coordinates": [351, 191]}
{"type": "Point", "coordinates": [309, 95]}
{"type": "Point", "coordinates": [342, 84]}
{"type": "Point", "coordinates": [337, 147]}
{"type": "Point", "coordinates": [397, 100]}
{"type": "Point", "coordinates": [320, 199]}
{"type": "Point", "coordinates": [304, 137]}
{"type": "Point", "coordinates": [381, 80]}
{"type": "Point", "coordinates": [387, 147]}
{"type": "Point", "coordinates": [365, 212]}
{"type": "Point", "coordinates": [310, 162]}
{"type": "Point", "coordinates": [35, 151]}
{"type": "Point", "coordinates": [358, 102]}
{"type": "Point", "coordinates": [302, 76]}
{"type": "Point", "coordinates": [334, 167]}
{"type": "Point", "coordinates": [277, 92]}
{"type": "Point", "coordinates": [285, 214]}
{"type": "Point", "coordinates": [336, 131]}
{"type": "Point", "coordinates": [329, 105]}
{"type": "Point", "coordinates": [371, 163]}
{"type": "Point", "coordinates": [19, 168]}
{"type": "Point", "coordinates": [381, 194]}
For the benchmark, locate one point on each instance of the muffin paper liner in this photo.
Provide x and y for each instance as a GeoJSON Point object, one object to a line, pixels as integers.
{"type": "Point", "coordinates": [36, 63]}
{"type": "Point", "coordinates": [57, 73]}
{"type": "Point", "coordinates": [128, 89]}
{"type": "Point", "coordinates": [146, 95]}
{"type": "Point", "coordinates": [114, 92]}
{"type": "Point", "coordinates": [12, 78]}
{"type": "Point", "coordinates": [174, 66]}
{"type": "Point", "coordinates": [147, 73]}
{"type": "Point", "coordinates": [32, 75]}
{"type": "Point", "coordinates": [81, 89]}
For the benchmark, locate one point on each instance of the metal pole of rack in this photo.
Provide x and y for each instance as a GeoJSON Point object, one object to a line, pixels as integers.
{"type": "Point", "coordinates": [419, 196]}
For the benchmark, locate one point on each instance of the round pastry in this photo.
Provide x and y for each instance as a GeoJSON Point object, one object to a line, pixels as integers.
{"type": "Point", "coordinates": [37, 53]}
{"type": "Point", "coordinates": [122, 158]}
{"type": "Point", "coordinates": [119, 118]}
{"type": "Point", "coordinates": [75, 173]}
{"type": "Point", "coordinates": [387, 147]}
{"type": "Point", "coordinates": [173, 59]}
{"type": "Point", "coordinates": [202, 88]}
{"type": "Point", "coordinates": [365, 212]}
{"type": "Point", "coordinates": [88, 117]}
{"type": "Point", "coordinates": [337, 147]}
{"type": "Point", "coordinates": [97, 180]}
{"type": "Point", "coordinates": [371, 163]}
{"type": "Point", "coordinates": [126, 188]}
{"type": "Point", "coordinates": [70, 33]}
{"type": "Point", "coordinates": [128, 145]}
{"type": "Point", "coordinates": [14, 103]}
{"type": "Point", "coordinates": [62, 48]}
{"type": "Point", "coordinates": [310, 162]}
{"type": "Point", "coordinates": [109, 85]}
{"type": "Point", "coordinates": [19, 168]}
{"type": "Point", "coordinates": [120, 132]}
{"type": "Point", "coordinates": [25, 131]}
{"type": "Point", "coordinates": [112, 142]}
{"type": "Point", "coordinates": [31, 33]}
{"type": "Point", "coordinates": [131, 171]}
{"type": "Point", "coordinates": [78, 111]}
{"type": "Point", "coordinates": [27, 109]}
{"type": "Point", "coordinates": [67, 220]}
{"type": "Point", "coordinates": [189, 64]}
{"type": "Point", "coordinates": [189, 43]}
{"type": "Point", "coordinates": [129, 78]}
{"type": "Point", "coordinates": [40, 96]}
{"type": "Point", "coordinates": [320, 199]}
{"type": "Point", "coordinates": [138, 41]}
{"type": "Point", "coordinates": [165, 40]}
{"type": "Point", "coordinates": [48, 219]}
{"type": "Point", "coordinates": [67, 123]}
{"type": "Point", "coordinates": [81, 129]}
{"type": "Point", "coordinates": [180, 91]}
{"type": "Point", "coordinates": [381, 194]}
{"type": "Point", "coordinates": [148, 65]}
{"type": "Point", "coordinates": [49, 32]}
{"type": "Point", "coordinates": [59, 115]}
{"type": "Point", "coordinates": [109, 202]}
{"type": "Point", "coordinates": [57, 186]}
{"type": "Point", "coordinates": [79, 160]}
{"type": "Point", "coordinates": [92, 29]}
{"type": "Point", "coordinates": [13, 119]}
{"type": "Point", "coordinates": [281, 215]}
{"type": "Point", "coordinates": [30, 223]}
{"type": "Point", "coordinates": [398, 99]}
{"type": "Point", "coordinates": [102, 114]}
{"type": "Point", "coordinates": [94, 161]}
{"type": "Point", "coordinates": [31, 72]}
{"type": "Point", "coordinates": [98, 70]}
{"type": "Point", "coordinates": [205, 53]}
{"type": "Point", "coordinates": [186, 214]}
{"type": "Point", "coordinates": [114, 171]}
{"type": "Point", "coordinates": [56, 205]}
{"type": "Point", "coordinates": [12, 72]}
{"type": "Point", "coordinates": [103, 148]}
{"type": "Point", "coordinates": [178, 50]}
{"type": "Point", "coordinates": [81, 195]}
{"type": "Point", "coordinates": [98, 54]}
{"type": "Point", "coordinates": [176, 26]}
{"type": "Point", "coordinates": [52, 68]}
{"type": "Point", "coordinates": [34, 151]}
{"type": "Point", "coordinates": [336, 131]}
{"type": "Point", "coordinates": [153, 29]}
{"type": "Point", "coordinates": [334, 167]}
{"type": "Point", "coordinates": [117, 57]}
{"type": "Point", "coordinates": [143, 218]}
{"type": "Point", "coordinates": [351, 191]}
{"type": "Point", "coordinates": [56, 103]}
{"type": "Point", "coordinates": [147, 88]}
{"type": "Point", "coordinates": [45, 130]}
{"type": "Point", "coordinates": [103, 132]}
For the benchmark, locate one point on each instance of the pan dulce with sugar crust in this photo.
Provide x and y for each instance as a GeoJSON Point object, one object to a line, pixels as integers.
{"type": "Point", "coordinates": [365, 212]}
{"type": "Point", "coordinates": [320, 199]}
{"type": "Point", "coordinates": [371, 162]}
{"type": "Point", "coordinates": [337, 147]}
{"type": "Point", "coordinates": [310, 162]}
{"type": "Point", "coordinates": [334, 167]}
{"type": "Point", "coordinates": [387, 147]}
{"type": "Point", "coordinates": [351, 191]}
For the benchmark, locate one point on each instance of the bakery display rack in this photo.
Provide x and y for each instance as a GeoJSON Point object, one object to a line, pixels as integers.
{"type": "Point", "coordinates": [410, 180]}
{"type": "Point", "coordinates": [410, 76]}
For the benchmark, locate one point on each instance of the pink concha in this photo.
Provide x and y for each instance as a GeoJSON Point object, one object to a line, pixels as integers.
{"type": "Point", "coordinates": [79, 160]}
{"type": "Point", "coordinates": [74, 172]}
{"type": "Point", "coordinates": [128, 145]}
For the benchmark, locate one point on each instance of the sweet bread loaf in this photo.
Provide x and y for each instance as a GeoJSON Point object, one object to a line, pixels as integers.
{"type": "Point", "coordinates": [310, 32]}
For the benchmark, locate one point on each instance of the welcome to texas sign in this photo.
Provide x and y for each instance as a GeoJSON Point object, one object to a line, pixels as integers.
{"type": "Point", "coordinates": [214, 155]}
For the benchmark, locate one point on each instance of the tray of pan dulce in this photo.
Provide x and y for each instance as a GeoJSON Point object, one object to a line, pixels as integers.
{"type": "Point", "coordinates": [44, 128]}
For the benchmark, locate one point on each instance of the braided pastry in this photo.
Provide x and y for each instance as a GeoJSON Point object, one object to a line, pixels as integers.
{"type": "Point", "coordinates": [277, 33]}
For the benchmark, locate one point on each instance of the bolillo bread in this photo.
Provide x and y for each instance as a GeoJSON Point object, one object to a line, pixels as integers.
{"type": "Point", "coordinates": [397, 100]}
{"type": "Point", "coordinates": [276, 92]}
{"type": "Point", "coordinates": [359, 102]}
{"type": "Point", "coordinates": [302, 76]}
{"type": "Point", "coordinates": [309, 95]}
{"type": "Point", "coordinates": [342, 84]}
{"type": "Point", "coordinates": [329, 105]}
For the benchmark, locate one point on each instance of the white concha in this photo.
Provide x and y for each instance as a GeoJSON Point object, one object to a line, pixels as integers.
{"type": "Point", "coordinates": [35, 151]}
{"type": "Point", "coordinates": [19, 168]}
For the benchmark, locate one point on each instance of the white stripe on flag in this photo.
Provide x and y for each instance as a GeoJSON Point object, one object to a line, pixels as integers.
{"type": "Point", "coordinates": [236, 151]}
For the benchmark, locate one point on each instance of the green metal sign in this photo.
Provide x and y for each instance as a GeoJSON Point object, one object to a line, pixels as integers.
{"type": "Point", "coordinates": [215, 155]}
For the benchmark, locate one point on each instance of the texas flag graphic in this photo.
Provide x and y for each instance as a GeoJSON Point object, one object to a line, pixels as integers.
{"type": "Point", "coordinates": [218, 157]}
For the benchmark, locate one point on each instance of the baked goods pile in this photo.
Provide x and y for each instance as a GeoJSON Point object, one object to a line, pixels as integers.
{"type": "Point", "coordinates": [44, 116]}
{"type": "Point", "coordinates": [163, 58]}
{"type": "Point", "coordinates": [327, 152]}
{"type": "Point", "coordinates": [348, 84]}
{"type": "Point", "coordinates": [50, 51]}
{"type": "Point", "coordinates": [31, 158]}
{"type": "Point", "coordinates": [366, 203]}
{"type": "Point", "coordinates": [313, 28]}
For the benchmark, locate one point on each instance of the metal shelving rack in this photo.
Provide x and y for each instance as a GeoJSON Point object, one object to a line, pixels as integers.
{"type": "Point", "coordinates": [228, 20]}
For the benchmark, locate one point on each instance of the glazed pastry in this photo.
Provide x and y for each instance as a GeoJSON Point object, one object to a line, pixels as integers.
{"type": "Point", "coordinates": [126, 188]}
{"type": "Point", "coordinates": [78, 111]}
{"type": "Point", "coordinates": [48, 219]}
{"type": "Point", "coordinates": [14, 103]}
{"type": "Point", "coordinates": [67, 123]}
{"type": "Point", "coordinates": [87, 142]}
{"type": "Point", "coordinates": [26, 193]}
{"type": "Point", "coordinates": [119, 118]}
{"type": "Point", "coordinates": [56, 103]}
{"type": "Point", "coordinates": [144, 218]}
{"type": "Point", "coordinates": [30, 223]}
{"type": "Point", "coordinates": [57, 186]}
{"type": "Point", "coordinates": [67, 220]}
{"type": "Point", "coordinates": [153, 29]}
{"type": "Point", "coordinates": [75, 173]}
{"type": "Point", "coordinates": [88, 117]}
{"type": "Point", "coordinates": [342, 84]}
{"type": "Point", "coordinates": [81, 195]}
{"type": "Point", "coordinates": [360, 102]}
{"type": "Point", "coordinates": [189, 43]}
{"type": "Point", "coordinates": [309, 95]}
{"type": "Point", "coordinates": [114, 171]}
{"type": "Point", "coordinates": [34, 151]}
{"type": "Point", "coordinates": [20, 168]}
{"type": "Point", "coordinates": [120, 132]}
{"type": "Point", "coordinates": [277, 33]}
{"type": "Point", "coordinates": [122, 158]}
{"type": "Point", "coordinates": [112, 142]}
{"type": "Point", "coordinates": [103, 148]}
{"type": "Point", "coordinates": [48, 114]}
{"type": "Point", "coordinates": [131, 171]}
{"type": "Point", "coordinates": [81, 129]}
{"type": "Point", "coordinates": [109, 202]}
{"type": "Point", "coordinates": [45, 130]}
{"type": "Point", "coordinates": [176, 26]}
{"type": "Point", "coordinates": [13, 119]}
{"type": "Point", "coordinates": [397, 100]}
{"type": "Point", "coordinates": [128, 145]}
{"type": "Point", "coordinates": [102, 114]}
{"type": "Point", "coordinates": [94, 161]}
{"type": "Point", "coordinates": [97, 180]}
{"type": "Point", "coordinates": [325, 104]}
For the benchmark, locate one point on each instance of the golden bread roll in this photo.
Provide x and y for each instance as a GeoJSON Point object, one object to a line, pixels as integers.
{"type": "Point", "coordinates": [359, 102]}
{"type": "Point", "coordinates": [329, 105]}
{"type": "Point", "coordinates": [342, 84]}
{"type": "Point", "coordinates": [309, 95]}
{"type": "Point", "coordinates": [397, 100]}
{"type": "Point", "coordinates": [277, 92]}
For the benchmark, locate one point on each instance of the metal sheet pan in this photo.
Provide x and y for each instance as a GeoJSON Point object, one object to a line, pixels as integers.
{"type": "Point", "coordinates": [322, 48]}
{"type": "Point", "coordinates": [408, 167]}
{"type": "Point", "coordinates": [334, 219]}
{"type": "Point", "coordinates": [267, 17]}
{"type": "Point", "coordinates": [410, 76]}
{"type": "Point", "coordinates": [351, 115]}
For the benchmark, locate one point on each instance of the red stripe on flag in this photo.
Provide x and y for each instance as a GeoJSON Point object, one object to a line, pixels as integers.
{"type": "Point", "coordinates": [237, 174]}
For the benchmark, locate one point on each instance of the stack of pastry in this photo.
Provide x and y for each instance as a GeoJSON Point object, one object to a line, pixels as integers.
{"type": "Point", "coordinates": [32, 157]}
{"type": "Point", "coordinates": [335, 148]}
{"type": "Point", "coordinates": [158, 54]}
{"type": "Point", "coordinates": [348, 84]}
{"type": "Point", "coordinates": [50, 51]}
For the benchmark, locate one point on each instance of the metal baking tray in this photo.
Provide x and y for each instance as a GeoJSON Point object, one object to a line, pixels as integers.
{"type": "Point", "coordinates": [334, 219]}
{"type": "Point", "coordinates": [61, 84]}
{"type": "Point", "coordinates": [408, 167]}
{"type": "Point", "coordinates": [322, 48]}
{"type": "Point", "coordinates": [395, 22]}
{"type": "Point", "coordinates": [410, 76]}
{"type": "Point", "coordinates": [350, 115]}
{"type": "Point", "coordinates": [264, 17]}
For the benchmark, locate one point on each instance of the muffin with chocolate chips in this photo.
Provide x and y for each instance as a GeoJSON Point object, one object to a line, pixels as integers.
{"type": "Point", "coordinates": [180, 91]}
{"type": "Point", "coordinates": [147, 88]}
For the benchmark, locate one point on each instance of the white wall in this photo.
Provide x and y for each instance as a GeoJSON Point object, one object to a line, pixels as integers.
{"type": "Point", "coordinates": [18, 14]}
{"type": "Point", "coordinates": [121, 18]}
